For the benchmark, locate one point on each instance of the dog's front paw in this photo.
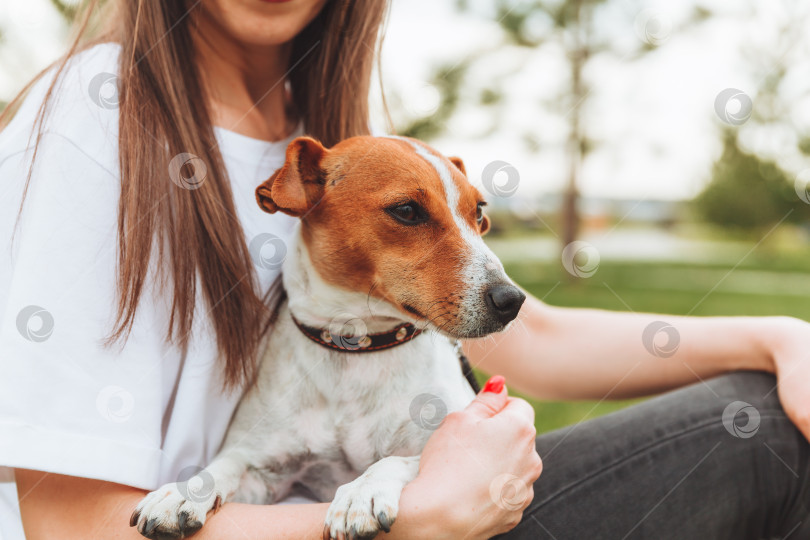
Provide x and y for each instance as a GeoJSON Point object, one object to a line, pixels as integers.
{"type": "Point", "coordinates": [168, 513]}
{"type": "Point", "coordinates": [362, 508]}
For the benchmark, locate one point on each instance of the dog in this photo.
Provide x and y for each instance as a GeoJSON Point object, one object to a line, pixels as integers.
{"type": "Point", "coordinates": [388, 246]}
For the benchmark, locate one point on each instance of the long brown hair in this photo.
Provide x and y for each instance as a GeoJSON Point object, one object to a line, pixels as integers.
{"type": "Point", "coordinates": [194, 231]}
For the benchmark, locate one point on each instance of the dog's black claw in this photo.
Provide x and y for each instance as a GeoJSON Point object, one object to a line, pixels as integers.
{"type": "Point", "coordinates": [151, 525]}
{"type": "Point", "coordinates": [133, 519]}
{"type": "Point", "coordinates": [187, 527]}
{"type": "Point", "coordinates": [354, 535]}
{"type": "Point", "coordinates": [385, 521]}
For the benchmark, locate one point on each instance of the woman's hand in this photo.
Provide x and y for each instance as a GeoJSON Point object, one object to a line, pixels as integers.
{"type": "Point", "coordinates": [789, 341]}
{"type": "Point", "coordinates": [477, 470]}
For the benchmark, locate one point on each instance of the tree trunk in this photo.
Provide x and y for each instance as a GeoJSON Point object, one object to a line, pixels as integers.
{"type": "Point", "coordinates": [570, 219]}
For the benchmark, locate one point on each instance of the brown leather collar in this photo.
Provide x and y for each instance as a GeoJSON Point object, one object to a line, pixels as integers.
{"type": "Point", "coordinates": [398, 335]}
{"type": "Point", "coordinates": [378, 342]}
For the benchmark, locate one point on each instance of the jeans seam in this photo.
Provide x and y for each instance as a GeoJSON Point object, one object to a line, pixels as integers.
{"type": "Point", "coordinates": [771, 414]}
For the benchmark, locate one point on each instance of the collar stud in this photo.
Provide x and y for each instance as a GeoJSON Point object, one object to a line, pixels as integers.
{"type": "Point", "coordinates": [398, 335]}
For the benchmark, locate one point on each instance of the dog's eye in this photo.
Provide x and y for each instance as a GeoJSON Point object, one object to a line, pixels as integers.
{"type": "Point", "coordinates": [409, 213]}
{"type": "Point", "coordinates": [479, 212]}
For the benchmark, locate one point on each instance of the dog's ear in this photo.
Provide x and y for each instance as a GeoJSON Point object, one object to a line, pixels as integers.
{"type": "Point", "coordinates": [459, 164]}
{"type": "Point", "coordinates": [298, 185]}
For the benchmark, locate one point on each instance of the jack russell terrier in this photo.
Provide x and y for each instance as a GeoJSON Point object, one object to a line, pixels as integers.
{"type": "Point", "coordinates": [388, 245]}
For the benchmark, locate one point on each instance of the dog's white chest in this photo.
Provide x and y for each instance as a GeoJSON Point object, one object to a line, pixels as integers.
{"type": "Point", "coordinates": [389, 403]}
{"type": "Point", "coordinates": [332, 415]}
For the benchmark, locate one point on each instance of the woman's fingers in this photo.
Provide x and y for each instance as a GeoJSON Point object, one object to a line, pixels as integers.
{"type": "Point", "coordinates": [490, 401]}
{"type": "Point", "coordinates": [519, 409]}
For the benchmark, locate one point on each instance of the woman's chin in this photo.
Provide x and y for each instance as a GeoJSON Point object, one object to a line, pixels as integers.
{"type": "Point", "coordinates": [263, 22]}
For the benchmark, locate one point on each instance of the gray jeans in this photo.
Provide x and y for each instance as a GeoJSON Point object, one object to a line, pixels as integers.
{"type": "Point", "coordinates": [715, 460]}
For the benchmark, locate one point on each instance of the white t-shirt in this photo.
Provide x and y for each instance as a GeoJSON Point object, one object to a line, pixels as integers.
{"type": "Point", "coordinates": [141, 415]}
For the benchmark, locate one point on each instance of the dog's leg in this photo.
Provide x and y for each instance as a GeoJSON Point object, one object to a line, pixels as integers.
{"type": "Point", "coordinates": [369, 504]}
{"type": "Point", "coordinates": [179, 509]}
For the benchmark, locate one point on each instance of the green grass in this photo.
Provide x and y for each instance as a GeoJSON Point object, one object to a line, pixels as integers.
{"type": "Point", "coordinates": [762, 284]}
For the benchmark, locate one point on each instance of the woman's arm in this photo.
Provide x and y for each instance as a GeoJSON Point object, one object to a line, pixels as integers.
{"type": "Point", "coordinates": [450, 498]}
{"type": "Point", "coordinates": [55, 506]}
{"type": "Point", "coordinates": [565, 353]}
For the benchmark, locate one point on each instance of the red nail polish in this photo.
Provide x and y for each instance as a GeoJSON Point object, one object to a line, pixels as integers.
{"type": "Point", "coordinates": [494, 384]}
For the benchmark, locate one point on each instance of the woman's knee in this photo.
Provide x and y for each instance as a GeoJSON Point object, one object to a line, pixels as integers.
{"type": "Point", "coordinates": [727, 410]}
{"type": "Point", "coordinates": [735, 402]}
{"type": "Point", "coordinates": [724, 443]}
{"type": "Point", "coordinates": [757, 388]}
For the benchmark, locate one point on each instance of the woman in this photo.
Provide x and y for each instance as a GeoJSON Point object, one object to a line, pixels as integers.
{"type": "Point", "coordinates": [132, 272]}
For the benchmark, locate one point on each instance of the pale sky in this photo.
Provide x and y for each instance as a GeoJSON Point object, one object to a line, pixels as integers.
{"type": "Point", "coordinates": [653, 118]}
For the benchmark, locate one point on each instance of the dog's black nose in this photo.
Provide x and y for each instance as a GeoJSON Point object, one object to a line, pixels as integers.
{"type": "Point", "coordinates": [504, 302]}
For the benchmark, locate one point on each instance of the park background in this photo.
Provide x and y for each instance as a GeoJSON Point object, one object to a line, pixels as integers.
{"type": "Point", "coordinates": [644, 156]}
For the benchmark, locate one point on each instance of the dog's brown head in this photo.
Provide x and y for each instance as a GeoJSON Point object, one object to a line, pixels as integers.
{"type": "Point", "coordinates": [392, 218]}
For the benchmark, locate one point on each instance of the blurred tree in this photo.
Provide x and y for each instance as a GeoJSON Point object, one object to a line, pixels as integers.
{"type": "Point", "coordinates": [568, 26]}
{"type": "Point", "coordinates": [572, 28]}
{"type": "Point", "coordinates": [748, 193]}
{"type": "Point", "coordinates": [748, 189]}
{"type": "Point", "coordinates": [68, 9]}
{"type": "Point", "coordinates": [576, 16]}
{"type": "Point", "coordinates": [447, 80]}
